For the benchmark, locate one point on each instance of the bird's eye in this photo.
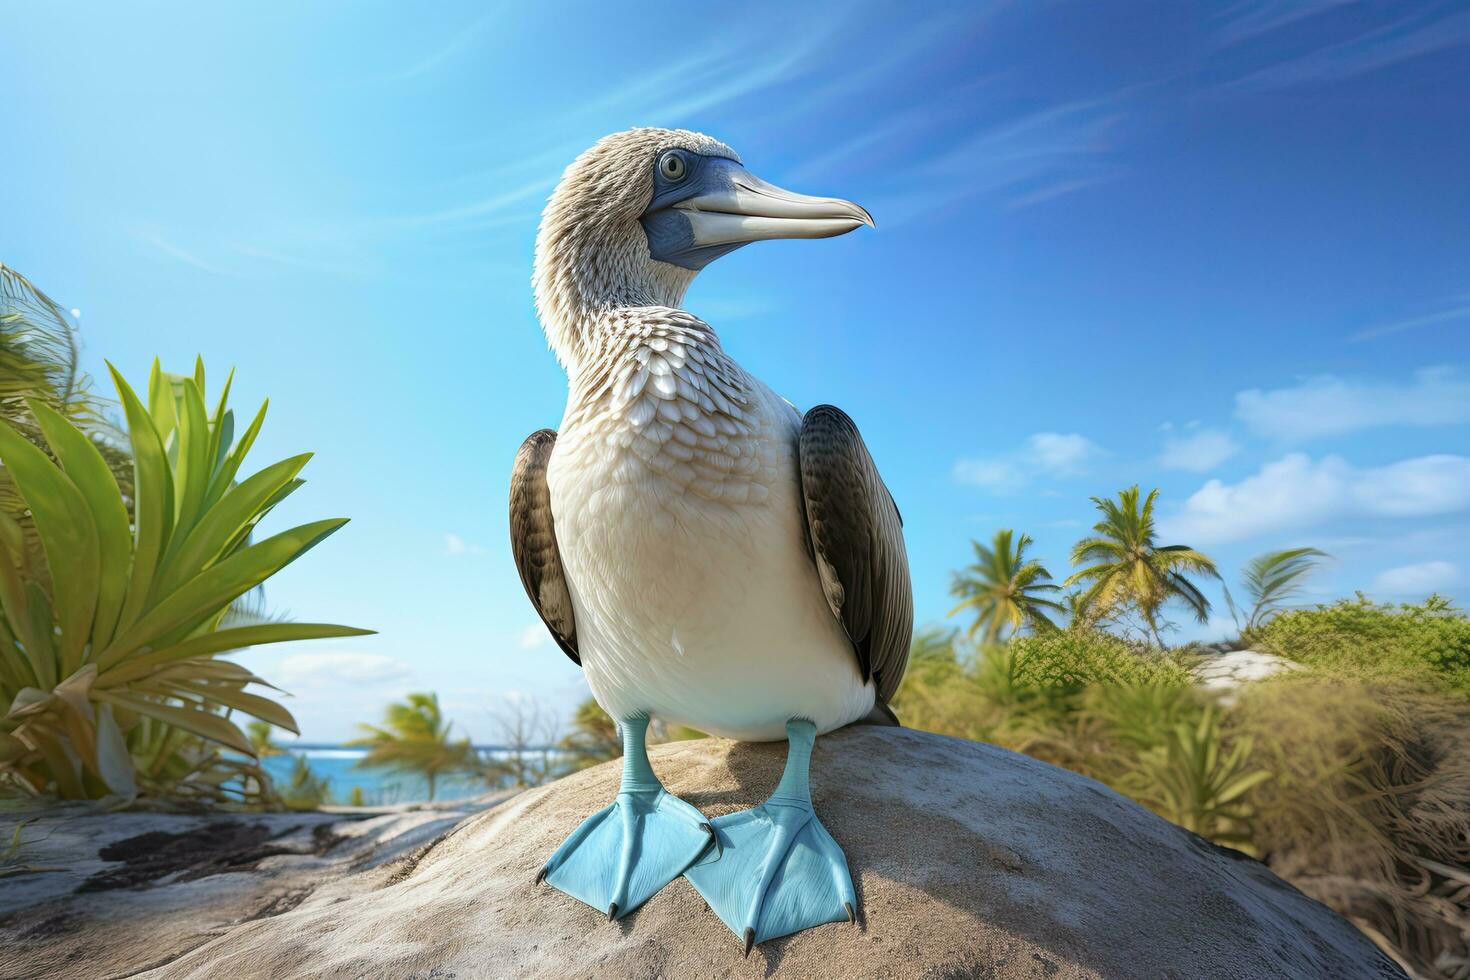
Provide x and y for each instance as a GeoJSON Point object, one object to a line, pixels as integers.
{"type": "Point", "coordinates": [672, 166]}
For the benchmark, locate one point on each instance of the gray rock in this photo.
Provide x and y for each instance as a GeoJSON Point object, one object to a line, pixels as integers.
{"type": "Point", "coordinates": [970, 861]}
{"type": "Point", "coordinates": [1228, 671]}
{"type": "Point", "coordinates": [104, 894]}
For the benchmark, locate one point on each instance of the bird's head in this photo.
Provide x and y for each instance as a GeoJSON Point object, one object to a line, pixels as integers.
{"type": "Point", "coordinates": [638, 215]}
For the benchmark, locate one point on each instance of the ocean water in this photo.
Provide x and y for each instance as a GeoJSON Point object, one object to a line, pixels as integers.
{"type": "Point", "coordinates": [339, 765]}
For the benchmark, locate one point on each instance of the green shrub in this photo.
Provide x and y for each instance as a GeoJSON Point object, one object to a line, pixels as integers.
{"type": "Point", "coordinates": [1076, 659]}
{"type": "Point", "coordinates": [1425, 645]}
{"type": "Point", "coordinates": [1355, 790]}
{"type": "Point", "coordinates": [305, 790]}
{"type": "Point", "coordinates": [1199, 780]}
{"type": "Point", "coordinates": [111, 630]}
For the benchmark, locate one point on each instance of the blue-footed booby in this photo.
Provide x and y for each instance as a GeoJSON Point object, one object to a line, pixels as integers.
{"type": "Point", "coordinates": [709, 555]}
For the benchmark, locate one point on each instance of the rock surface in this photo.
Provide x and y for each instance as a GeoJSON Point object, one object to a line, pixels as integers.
{"type": "Point", "coordinates": [96, 894]}
{"type": "Point", "coordinates": [970, 861]}
{"type": "Point", "coordinates": [1231, 669]}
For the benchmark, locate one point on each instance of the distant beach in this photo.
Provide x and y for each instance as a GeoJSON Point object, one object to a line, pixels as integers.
{"type": "Point", "coordinates": [380, 787]}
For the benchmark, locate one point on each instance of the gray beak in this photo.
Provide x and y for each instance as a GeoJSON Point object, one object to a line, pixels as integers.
{"type": "Point", "coordinates": [748, 209]}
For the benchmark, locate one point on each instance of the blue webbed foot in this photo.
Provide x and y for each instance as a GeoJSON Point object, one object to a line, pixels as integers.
{"type": "Point", "coordinates": [622, 855]}
{"type": "Point", "coordinates": [777, 869]}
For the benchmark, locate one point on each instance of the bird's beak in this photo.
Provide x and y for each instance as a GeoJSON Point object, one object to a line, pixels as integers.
{"type": "Point", "coordinates": [747, 209]}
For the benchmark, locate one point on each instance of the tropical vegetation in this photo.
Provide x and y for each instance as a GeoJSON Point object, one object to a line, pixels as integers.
{"type": "Point", "coordinates": [1004, 589]}
{"type": "Point", "coordinates": [1350, 776]}
{"type": "Point", "coordinates": [593, 737]}
{"type": "Point", "coordinates": [415, 738]}
{"type": "Point", "coordinates": [1418, 646]}
{"type": "Point", "coordinates": [304, 789]}
{"type": "Point", "coordinates": [1125, 568]}
{"type": "Point", "coordinates": [1270, 580]}
{"type": "Point", "coordinates": [113, 628]}
{"type": "Point", "coordinates": [40, 360]}
{"type": "Point", "coordinates": [117, 596]}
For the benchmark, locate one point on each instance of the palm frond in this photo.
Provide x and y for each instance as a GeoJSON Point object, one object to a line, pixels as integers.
{"type": "Point", "coordinates": [1276, 577]}
{"type": "Point", "coordinates": [1127, 568]}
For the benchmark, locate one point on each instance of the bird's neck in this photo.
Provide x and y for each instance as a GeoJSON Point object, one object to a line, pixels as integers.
{"type": "Point", "coordinates": [581, 292]}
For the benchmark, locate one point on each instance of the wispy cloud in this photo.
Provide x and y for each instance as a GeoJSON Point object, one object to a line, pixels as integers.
{"type": "Point", "coordinates": [534, 637]}
{"type": "Point", "coordinates": [337, 667]}
{"type": "Point", "coordinates": [454, 545]}
{"type": "Point", "coordinates": [1417, 580]}
{"type": "Point", "coordinates": [848, 80]}
{"type": "Point", "coordinates": [476, 212]}
{"type": "Point", "coordinates": [1198, 452]}
{"type": "Point", "coordinates": [1058, 189]}
{"type": "Point", "coordinates": [1046, 454]}
{"type": "Point", "coordinates": [294, 261]}
{"type": "Point", "coordinates": [1459, 309]}
{"type": "Point", "coordinates": [1252, 18]}
{"type": "Point", "coordinates": [185, 256]}
{"type": "Point", "coordinates": [1409, 37]}
{"type": "Point", "coordinates": [668, 96]}
{"type": "Point", "coordinates": [1022, 161]}
{"type": "Point", "coordinates": [1330, 406]}
{"type": "Point", "coordinates": [463, 39]}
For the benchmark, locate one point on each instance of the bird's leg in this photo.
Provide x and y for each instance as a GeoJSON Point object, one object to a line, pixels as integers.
{"type": "Point", "coordinates": [777, 870]}
{"type": "Point", "coordinates": [622, 855]}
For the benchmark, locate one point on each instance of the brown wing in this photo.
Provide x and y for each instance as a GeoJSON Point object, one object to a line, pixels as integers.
{"type": "Point", "coordinates": [533, 541]}
{"type": "Point", "coordinates": [856, 538]}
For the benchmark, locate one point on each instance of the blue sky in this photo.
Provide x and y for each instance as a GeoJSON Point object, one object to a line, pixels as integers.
{"type": "Point", "coordinates": [1222, 249]}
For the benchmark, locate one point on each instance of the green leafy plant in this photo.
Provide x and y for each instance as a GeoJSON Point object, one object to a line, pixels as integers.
{"type": "Point", "coordinates": [1125, 566]}
{"type": "Point", "coordinates": [593, 737]}
{"type": "Point", "coordinates": [1005, 589]}
{"type": "Point", "coordinates": [40, 360]}
{"type": "Point", "coordinates": [414, 737]}
{"type": "Point", "coordinates": [111, 633]}
{"type": "Point", "coordinates": [1270, 581]}
{"type": "Point", "coordinates": [1075, 660]}
{"type": "Point", "coordinates": [1198, 781]}
{"type": "Point", "coordinates": [262, 744]}
{"type": "Point", "coordinates": [305, 790]}
{"type": "Point", "coordinates": [1424, 645]}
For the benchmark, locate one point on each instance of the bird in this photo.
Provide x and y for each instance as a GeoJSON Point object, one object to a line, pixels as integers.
{"type": "Point", "coordinates": [708, 554]}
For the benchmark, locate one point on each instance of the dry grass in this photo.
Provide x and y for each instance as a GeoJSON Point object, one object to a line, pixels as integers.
{"type": "Point", "coordinates": [1357, 792]}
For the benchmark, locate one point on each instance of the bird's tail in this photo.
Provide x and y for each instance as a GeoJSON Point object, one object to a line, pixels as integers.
{"type": "Point", "coordinates": [880, 715]}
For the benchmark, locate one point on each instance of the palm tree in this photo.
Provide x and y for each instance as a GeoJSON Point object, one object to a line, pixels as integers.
{"type": "Point", "coordinates": [1273, 578]}
{"type": "Point", "coordinates": [265, 746]}
{"type": "Point", "coordinates": [415, 738]}
{"type": "Point", "coordinates": [1079, 616]}
{"type": "Point", "coordinates": [593, 738]}
{"type": "Point", "coordinates": [1125, 566]}
{"type": "Point", "coordinates": [40, 360]}
{"type": "Point", "coordinates": [305, 790]}
{"type": "Point", "coordinates": [1004, 588]}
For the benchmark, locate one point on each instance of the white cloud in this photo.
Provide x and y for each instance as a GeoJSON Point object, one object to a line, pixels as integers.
{"type": "Point", "coordinates": [535, 635]}
{"type": "Point", "coordinates": [997, 476]}
{"type": "Point", "coordinates": [1297, 492]}
{"type": "Point", "coordinates": [1053, 454]}
{"type": "Point", "coordinates": [456, 545]}
{"type": "Point", "coordinates": [1058, 453]}
{"type": "Point", "coordinates": [337, 667]}
{"type": "Point", "coordinates": [1329, 406]}
{"type": "Point", "coordinates": [1416, 580]}
{"type": "Point", "coordinates": [1198, 453]}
